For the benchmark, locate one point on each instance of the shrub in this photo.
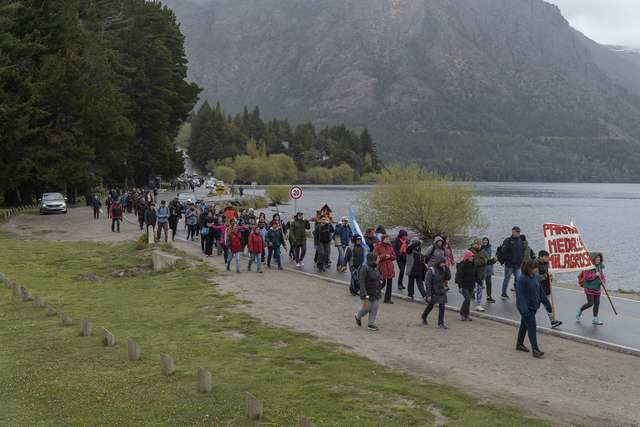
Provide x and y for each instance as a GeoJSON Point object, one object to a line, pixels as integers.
{"type": "Point", "coordinates": [278, 194]}
{"type": "Point", "coordinates": [320, 175]}
{"type": "Point", "coordinates": [225, 173]}
{"type": "Point", "coordinates": [422, 201]}
{"type": "Point", "coordinates": [342, 174]}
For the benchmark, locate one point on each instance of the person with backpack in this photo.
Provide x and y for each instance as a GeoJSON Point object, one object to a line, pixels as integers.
{"type": "Point", "coordinates": [298, 236]}
{"type": "Point", "coordinates": [400, 245]}
{"type": "Point", "coordinates": [202, 226]}
{"type": "Point", "coordinates": [342, 238]}
{"type": "Point", "coordinates": [436, 293]}
{"type": "Point", "coordinates": [370, 286]}
{"type": "Point", "coordinates": [116, 215]}
{"type": "Point", "coordinates": [544, 277]}
{"type": "Point", "coordinates": [529, 296]}
{"type": "Point", "coordinates": [150, 218]}
{"type": "Point", "coordinates": [162, 216]}
{"type": "Point", "coordinates": [488, 271]}
{"type": "Point", "coordinates": [386, 257]}
{"type": "Point", "coordinates": [142, 209]}
{"type": "Point", "coordinates": [511, 255]}
{"type": "Point", "coordinates": [323, 233]}
{"type": "Point", "coordinates": [416, 269]}
{"type": "Point", "coordinates": [96, 204]}
{"type": "Point", "coordinates": [591, 281]}
{"type": "Point", "coordinates": [435, 251]}
{"type": "Point", "coordinates": [191, 219]}
{"type": "Point", "coordinates": [174, 217]}
{"type": "Point", "coordinates": [355, 257]}
{"type": "Point", "coordinates": [480, 261]}
{"type": "Point", "coordinates": [466, 277]}
{"type": "Point", "coordinates": [256, 247]}
{"type": "Point", "coordinates": [275, 239]}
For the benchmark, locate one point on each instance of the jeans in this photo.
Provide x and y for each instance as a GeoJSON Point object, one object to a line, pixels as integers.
{"type": "Point", "coordinates": [299, 251]}
{"type": "Point", "coordinates": [235, 255]}
{"type": "Point", "coordinates": [487, 281]}
{"type": "Point", "coordinates": [479, 290]}
{"type": "Point", "coordinates": [275, 254]}
{"type": "Point", "coordinates": [96, 213]}
{"type": "Point", "coordinates": [466, 304]}
{"type": "Point", "coordinates": [115, 223]}
{"type": "Point", "coordinates": [324, 254]}
{"type": "Point", "coordinates": [387, 284]}
{"type": "Point", "coordinates": [508, 272]}
{"type": "Point", "coordinates": [592, 300]}
{"type": "Point", "coordinates": [372, 311]}
{"type": "Point", "coordinates": [163, 226]}
{"type": "Point", "coordinates": [427, 310]}
{"type": "Point", "coordinates": [402, 263]}
{"type": "Point", "coordinates": [413, 280]}
{"type": "Point", "coordinates": [254, 257]}
{"type": "Point", "coordinates": [191, 232]}
{"type": "Point", "coordinates": [355, 280]}
{"type": "Point", "coordinates": [341, 260]}
{"type": "Point", "coordinates": [528, 325]}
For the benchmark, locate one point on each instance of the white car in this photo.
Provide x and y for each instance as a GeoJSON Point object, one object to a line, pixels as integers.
{"type": "Point", "coordinates": [211, 184]}
{"type": "Point", "coordinates": [53, 203]}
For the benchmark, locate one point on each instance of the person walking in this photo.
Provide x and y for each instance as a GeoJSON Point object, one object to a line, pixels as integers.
{"type": "Point", "coordinates": [107, 204]}
{"type": "Point", "coordinates": [480, 261]}
{"type": "Point", "coordinates": [435, 251]}
{"type": "Point", "coordinates": [96, 204]}
{"type": "Point", "coordinates": [116, 215]}
{"type": "Point", "coordinates": [416, 269]}
{"type": "Point", "coordinates": [202, 225]}
{"type": "Point", "coordinates": [400, 245]}
{"type": "Point", "coordinates": [545, 277]}
{"type": "Point", "coordinates": [370, 286]}
{"type": "Point", "coordinates": [275, 239]}
{"type": "Point", "coordinates": [592, 281]}
{"type": "Point", "coordinates": [162, 216]}
{"type": "Point", "coordinates": [256, 247]}
{"type": "Point", "coordinates": [370, 238]}
{"type": "Point", "coordinates": [342, 238]}
{"type": "Point", "coordinates": [488, 271]}
{"type": "Point", "coordinates": [323, 234]}
{"type": "Point", "coordinates": [434, 282]}
{"type": "Point", "coordinates": [529, 296]}
{"type": "Point", "coordinates": [150, 218]}
{"type": "Point", "coordinates": [191, 219]}
{"type": "Point", "coordinates": [174, 217]}
{"type": "Point", "coordinates": [386, 257]}
{"type": "Point", "coordinates": [511, 255]}
{"type": "Point", "coordinates": [234, 237]}
{"type": "Point", "coordinates": [298, 236]}
{"type": "Point", "coordinates": [355, 256]}
{"type": "Point", "coordinates": [466, 277]}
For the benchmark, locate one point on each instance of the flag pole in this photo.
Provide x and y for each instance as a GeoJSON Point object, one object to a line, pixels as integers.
{"type": "Point", "coordinates": [607, 294]}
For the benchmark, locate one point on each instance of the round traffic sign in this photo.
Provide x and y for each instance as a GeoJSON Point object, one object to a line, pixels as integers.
{"type": "Point", "coordinates": [296, 193]}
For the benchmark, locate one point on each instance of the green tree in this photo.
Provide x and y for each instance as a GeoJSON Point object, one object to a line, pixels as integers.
{"type": "Point", "coordinates": [342, 174]}
{"type": "Point", "coordinates": [225, 173]}
{"type": "Point", "coordinates": [284, 168]}
{"type": "Point", "coordinates": [278, 194]}
{"type": "Point", "coordinates": [319, 175]}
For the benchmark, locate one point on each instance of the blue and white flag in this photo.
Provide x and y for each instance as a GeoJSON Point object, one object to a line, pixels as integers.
{"type": "Point", "coordinates": [355, 228]}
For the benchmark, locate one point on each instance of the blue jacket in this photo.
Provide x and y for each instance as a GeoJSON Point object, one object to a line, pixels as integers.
{"type": "Point", "coordinates": [345, 233]}
{"type": "Point", "coordinates": [513, 250]}
{"type": "Point", "coordinates": [529, 296]}
{"type": "Point", "coordinates": [162, 214]}
{"type": "Point", "coordinates": [488, 251]}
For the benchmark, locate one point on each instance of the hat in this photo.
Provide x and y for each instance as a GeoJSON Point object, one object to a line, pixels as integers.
{"type": "Point", "coordinates": [467, 255]}
{"type": "Point", "coordinates": [402, 233]}
{"type": "Point", "coordinates": [476, 240]}
{"type": "Point", "coordinates": [516, 228]}
{"type": "Point", "coordinates": [543, 253]}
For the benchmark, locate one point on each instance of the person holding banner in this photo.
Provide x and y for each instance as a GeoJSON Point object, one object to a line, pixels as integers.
{"type": "Point", "coordinates": [529, 296]}
{"type": "Point", "coordinates": [592, 281]}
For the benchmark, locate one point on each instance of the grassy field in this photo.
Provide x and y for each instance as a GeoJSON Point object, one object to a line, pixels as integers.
{"type": "Point", "coordinates": [51, 376]}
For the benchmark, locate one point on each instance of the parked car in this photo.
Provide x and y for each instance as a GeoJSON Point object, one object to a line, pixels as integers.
{"type": "Point", "coordinates": [53, 203]}
{"type": "Point", "coordinates": [211, 183]}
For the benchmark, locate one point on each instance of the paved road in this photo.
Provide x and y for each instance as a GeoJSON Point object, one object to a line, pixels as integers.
{"type": "Point", "coordinates": [621, 332]}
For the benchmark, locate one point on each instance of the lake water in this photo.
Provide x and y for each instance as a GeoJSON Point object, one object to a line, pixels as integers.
{"type": "Point", "coordinates": [604, 213]}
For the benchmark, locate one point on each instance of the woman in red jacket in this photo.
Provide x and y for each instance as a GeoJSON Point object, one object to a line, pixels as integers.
{"type": "Point", "coordinates": [256, 247]}
{"type": "Point", "coordinates": [386, 257]}
{"type": "Point", "coordinates": [234, 237]}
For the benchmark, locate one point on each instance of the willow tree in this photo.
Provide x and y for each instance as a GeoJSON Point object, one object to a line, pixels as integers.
{"type": "Point", "coordinates": [423, 201]}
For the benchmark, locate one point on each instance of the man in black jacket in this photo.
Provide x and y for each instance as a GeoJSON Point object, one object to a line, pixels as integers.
{"type": "Point", "coordinates": [370, 285]}
{"type": "Point", "coordinates": [512, 255]}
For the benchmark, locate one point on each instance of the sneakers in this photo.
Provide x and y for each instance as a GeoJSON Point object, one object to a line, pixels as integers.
{"type": "Point", "coordinates": [504, 296]}
{"type": "Point", "coordinates": [490, 300]}
{"type": "Point", "coordinates": [373, 328]}
{"type": "Point", "coordinates": [465, 319]}
{"type": "Point", "coordinates": [521, 347]}
{"type": "Point", "coordinates": [358, 321]}
{"type": "Point", "coordinates": [401, 288]}
{"type": "Point", "coordinates": [597, 322]}
{"type": "Point", "coordinates": [298, 265]}
{"type": "Point", "coordinates": [424, 320]}
{"type": "Point", "coordinates": [555, 324]}
{"type": "Point", "coordinates": [578, 314]}
{"type": "Point", "coordinates": [442, 326]}
{"type": "Point", "coordinates": [480, 308]}
{"type": "Point", "coordinates": [538, 354]}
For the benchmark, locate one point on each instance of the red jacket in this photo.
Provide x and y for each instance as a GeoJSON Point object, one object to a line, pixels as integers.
{"type": "Point", "coordinates": [117, 207]}
{"type": "Point", "coordinates": [256, 244]}
{"type": "Point", "coordinates": [386, 256]}
{"type": "Point", "coordinates": [235, 241]}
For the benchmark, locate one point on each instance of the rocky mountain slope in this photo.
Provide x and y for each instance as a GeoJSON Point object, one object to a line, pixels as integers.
{"type": "Point", "coordinates": [482, 89]}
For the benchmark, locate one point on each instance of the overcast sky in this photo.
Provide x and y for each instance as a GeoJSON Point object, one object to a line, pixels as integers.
{"type": "Point", "coordinates": [605, 21]}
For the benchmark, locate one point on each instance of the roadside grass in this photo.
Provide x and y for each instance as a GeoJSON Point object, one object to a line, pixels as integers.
{"type": "Point", "coordinates": [51, 376]}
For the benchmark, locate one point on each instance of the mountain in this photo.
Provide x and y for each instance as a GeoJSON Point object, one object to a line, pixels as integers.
{"type": "Point", "coordinates": [480, 89]}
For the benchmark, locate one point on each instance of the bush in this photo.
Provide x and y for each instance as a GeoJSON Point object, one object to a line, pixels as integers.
{"type": "Point", "coordinates": [369, 178]}
{"type": "Point", "coordinates": [225, 173]}
{"type": "Point", "coordinates": [278, 194]}
{"type": "Point", "coordinates": [255, 202]}
{"type": "Point", "coordinates": [342, 174]}
{"type": "Point", "coordinates": [422, 201]}
{"type": "Point", "coordinates": [320, 175]}
{"type": "Point", "coordinates": [284, 169]}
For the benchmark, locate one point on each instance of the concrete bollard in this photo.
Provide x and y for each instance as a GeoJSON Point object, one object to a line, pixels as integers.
{"type": "Point", "coordinates": [65, 320]}
{"type": "Point", "coordinates": [85, 328]}
{"type": "Point", "coordinates": [38, 302]}
{"type": "Point", "coordinates": [108, 340]}
{"type": "Point", "coordinates": [205, 381]}
{"type": "Point", "coordinates": [26, 295]}
{"type": "Point", "coordinates": [51, 311]}
{"type": "Point", "coordinates": [254, 407]}
{"type": "Point", "coordinates": [168, 367]}
{"type": "Point", "coordinates": [133, 349]}
{"type": "Point", "coordinates": [306, 422]}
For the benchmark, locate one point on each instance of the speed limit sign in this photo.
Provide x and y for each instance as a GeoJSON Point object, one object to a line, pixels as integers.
{"type": "Point", "coordinates": [296, 193]}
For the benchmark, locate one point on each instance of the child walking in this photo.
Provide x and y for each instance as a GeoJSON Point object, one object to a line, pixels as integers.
{"type": "Point", "coordinates": [591, 281]}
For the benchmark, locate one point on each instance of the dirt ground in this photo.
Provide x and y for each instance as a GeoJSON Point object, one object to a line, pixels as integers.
{"type": "Point", "coordinates": [575, 384]}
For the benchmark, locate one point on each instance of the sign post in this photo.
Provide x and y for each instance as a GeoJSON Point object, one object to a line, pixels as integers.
{"type": "Point", "coordinates": [295, 193]}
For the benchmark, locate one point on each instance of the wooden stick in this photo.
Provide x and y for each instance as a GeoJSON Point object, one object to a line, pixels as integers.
{"type": "Point", "coordinates": [607, 294]}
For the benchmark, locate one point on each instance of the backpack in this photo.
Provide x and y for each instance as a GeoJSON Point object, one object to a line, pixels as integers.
{"type": "Point", "coordinates": [500, 255]}
{"type": "Point", "coordinates": [459, 273]}
{"type": "Point", "coordinates": [116, 212]}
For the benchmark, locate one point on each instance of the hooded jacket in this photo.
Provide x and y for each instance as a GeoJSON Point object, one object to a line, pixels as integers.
{"type": "Point", "coordinates": [387, 255]}
{"type": "Point", "coordinates": [434, 283]}
{"type": "Point", "coordinates": [415, 264]}
{"type": "Point", "coordinates": [256, 244]}
{"type": "Point", "coordinates": [344, 233]}
{"type": "Point", "coordinates": [434, 252]}
{"type": "Point", "coordinates": [370, 279]}
{"type": "Point", "coordinates": [529, 296]}
{"type": "Point", "coordinates": [298, 231]}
